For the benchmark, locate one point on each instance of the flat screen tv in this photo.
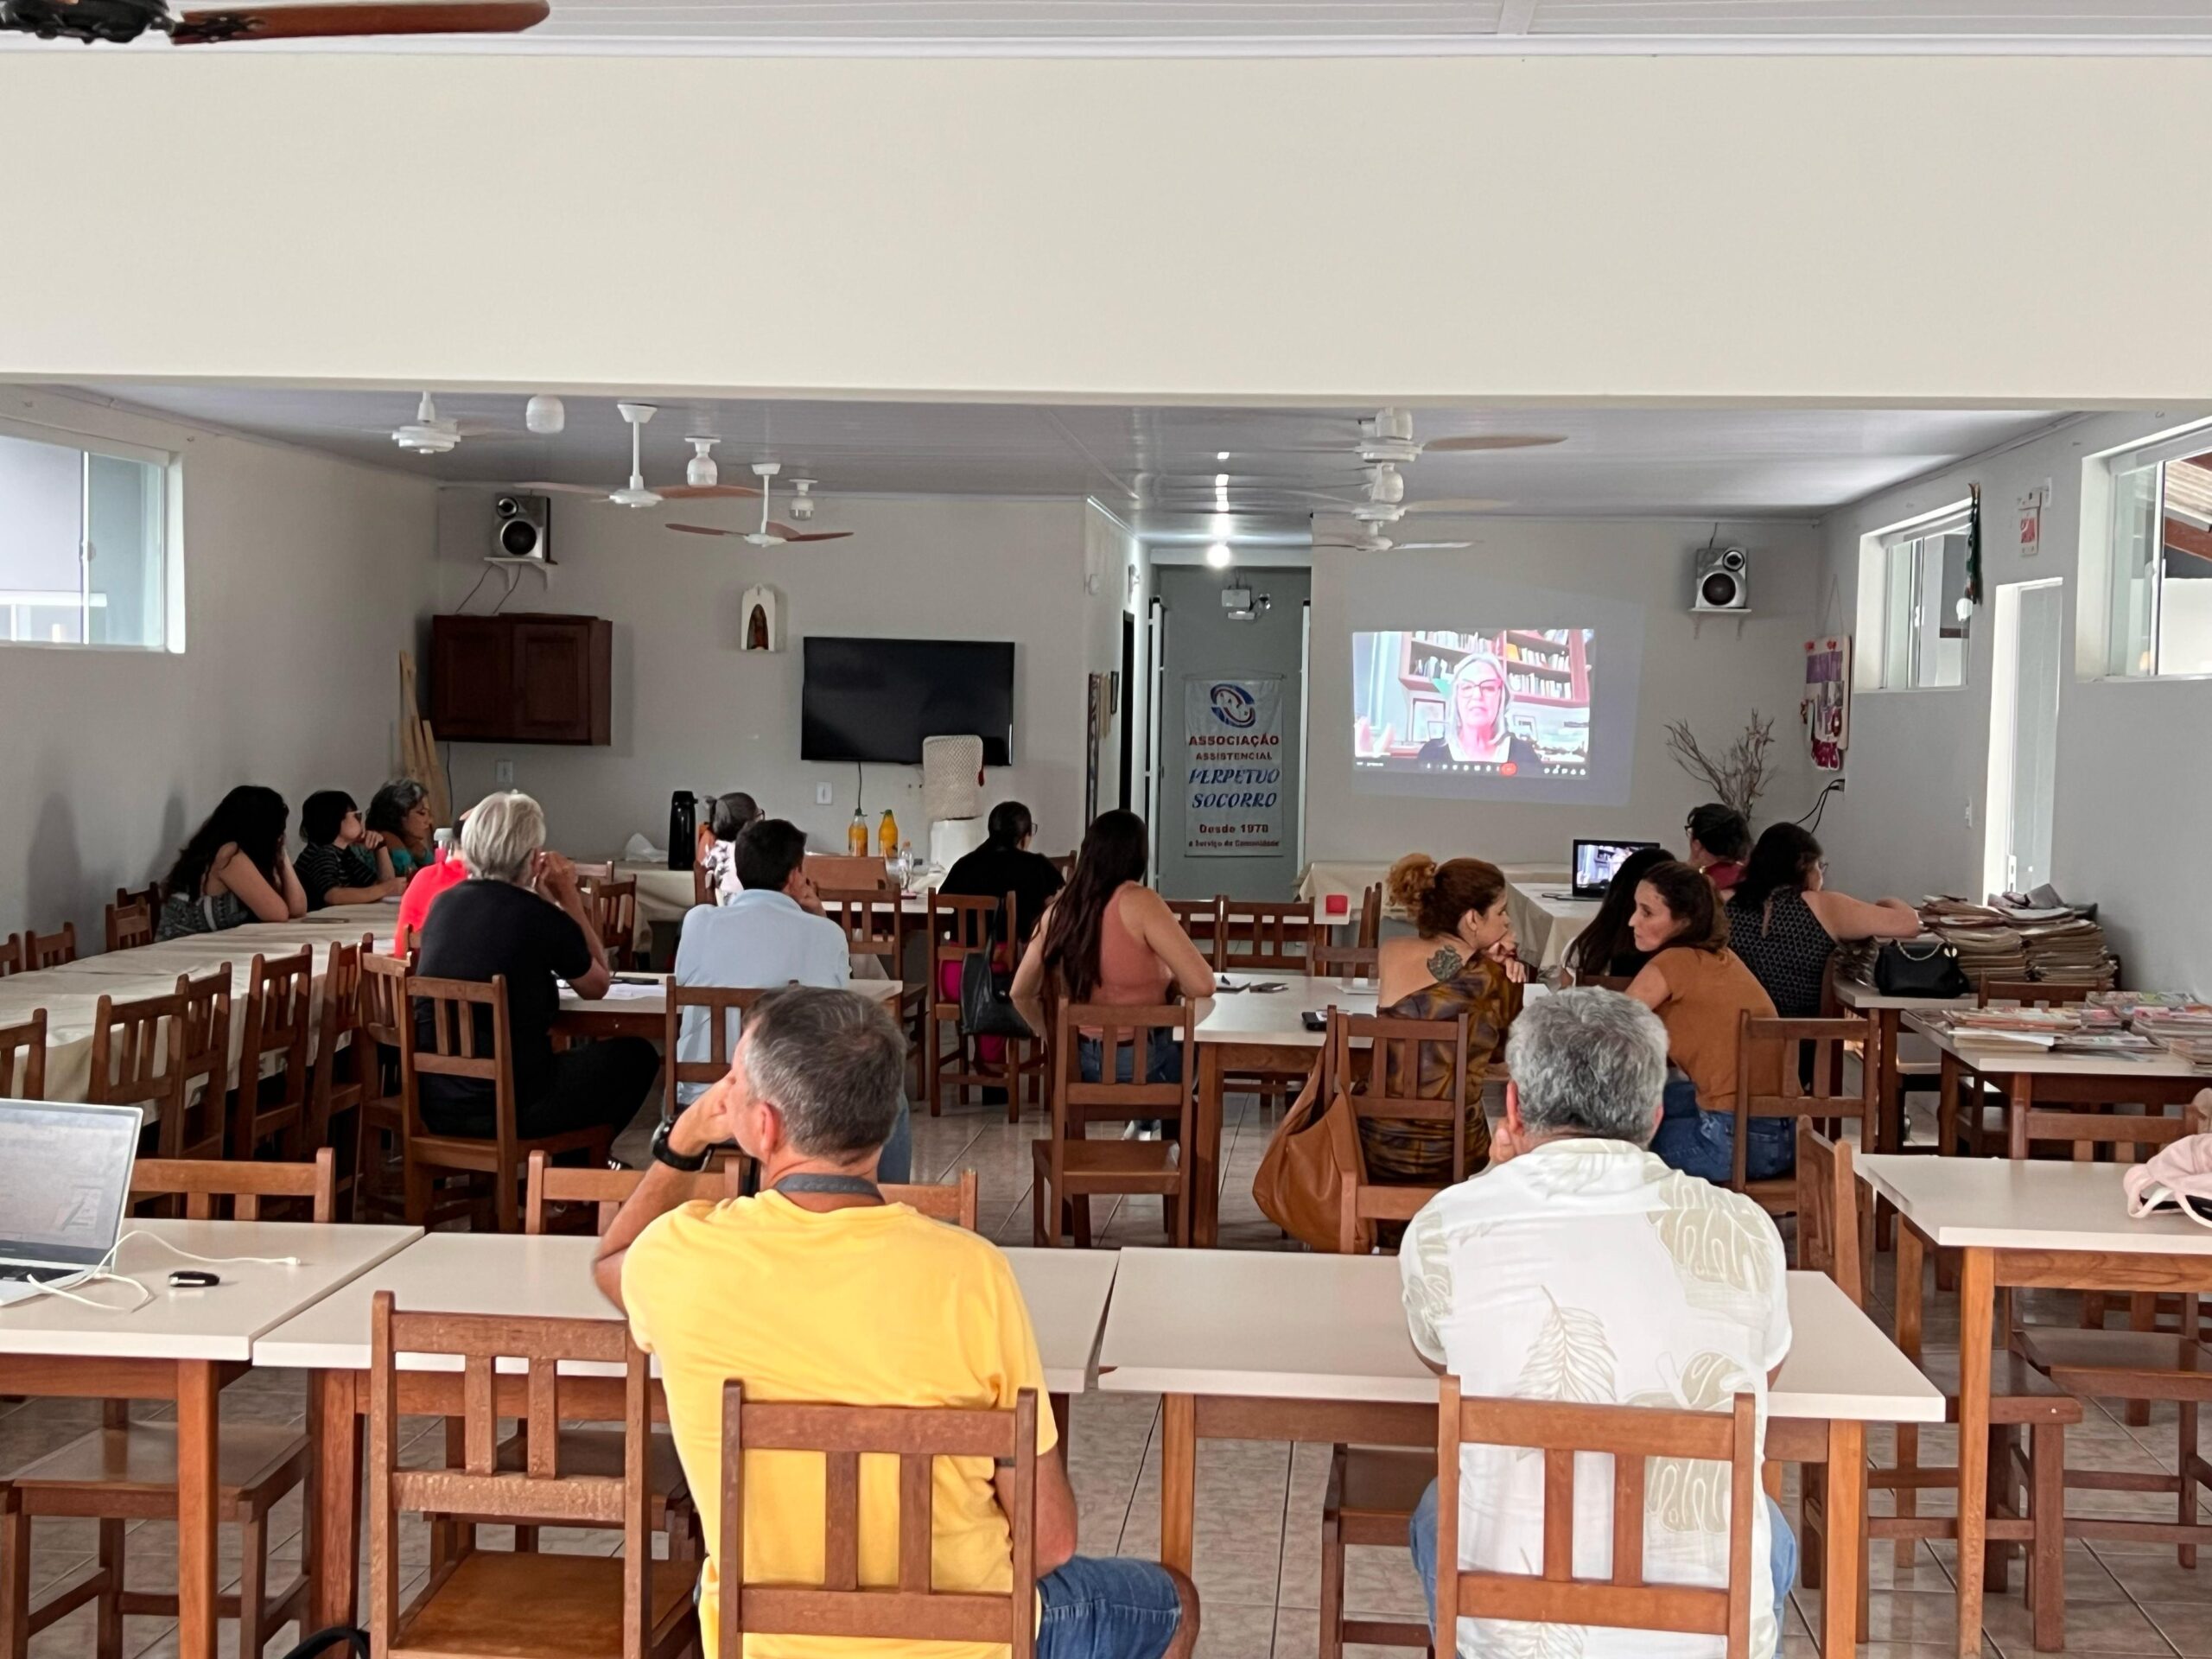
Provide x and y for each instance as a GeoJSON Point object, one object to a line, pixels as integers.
{"type": "Point", "coordinates": [877, 699]}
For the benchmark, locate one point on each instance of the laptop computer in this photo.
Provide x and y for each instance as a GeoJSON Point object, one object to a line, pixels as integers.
{"type": "Point", "coordinates": [65, 1186]}
{"type": "Point", "coordinates": [1595, 862]}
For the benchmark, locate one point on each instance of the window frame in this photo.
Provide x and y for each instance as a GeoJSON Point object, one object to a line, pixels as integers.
{"type": "Point", "coordinates": [171, 467]}
{"type": "Point", "coordinates": [2097, 655]}
{"type": "Point", "coordinates": [1878, 550]}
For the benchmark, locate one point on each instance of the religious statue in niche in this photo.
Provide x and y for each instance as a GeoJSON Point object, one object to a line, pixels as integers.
{"type": "Point", "coordinates": [761, 626]}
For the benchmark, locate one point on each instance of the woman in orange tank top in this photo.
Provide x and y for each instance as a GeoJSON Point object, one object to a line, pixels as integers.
{"type": "Point", "coordinates": [1108, 939]}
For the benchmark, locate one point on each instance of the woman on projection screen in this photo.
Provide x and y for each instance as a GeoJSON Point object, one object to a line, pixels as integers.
{"type": "Point", "coordinates": [1476, 731]}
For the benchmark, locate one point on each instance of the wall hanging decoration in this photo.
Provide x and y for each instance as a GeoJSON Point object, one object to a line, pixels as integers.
{"type": "Point", "coordinates": [1738, 774]}
{"type": "Point", "coordinates": [1972, 597]}
{"type": "Point", "coordinates": [1826, 708]}
{"type": "Point", "coordinates": [761, 610]}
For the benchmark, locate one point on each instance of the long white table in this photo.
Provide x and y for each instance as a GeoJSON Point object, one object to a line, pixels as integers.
{"type": "Point", "coordinates": [1280, 1346]}
{"type": "Point", "coordinates": [1543, 925]}
{"type": "Point", "coordinates": [183, 1346]}
{"type": "Point", "coordinates": [2018, 1223]}
{"type": "Point", "coordinates": [549, 1276]}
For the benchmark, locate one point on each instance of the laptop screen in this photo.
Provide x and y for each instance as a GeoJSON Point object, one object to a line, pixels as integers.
{"type": "Point", "coordinates": [1595, 862]}
{"type": "Point", "coordinates": [65, 1179]}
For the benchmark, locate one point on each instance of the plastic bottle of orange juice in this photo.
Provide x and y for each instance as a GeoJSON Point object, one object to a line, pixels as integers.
{"type": "Point", "coordinates": [886, 836]}
{"type": "Point", "coordinates": [856, 834]}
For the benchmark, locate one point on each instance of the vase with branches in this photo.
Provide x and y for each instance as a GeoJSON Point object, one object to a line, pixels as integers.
{"type": "Point", "coordinates": [1738, 774]}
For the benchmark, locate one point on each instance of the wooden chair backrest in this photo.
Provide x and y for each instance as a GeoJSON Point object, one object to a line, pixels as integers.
{"type": "Point", "coordinates": [869, 917]}
{"type": "Point", "coordinates": [1262, 933]}
{"type": "Point", "coordinates": [614, 909]}
{"type": "Point", "coordinates": [955, 1201]}
{"type": "Point", "coordinates": [1076, 1101]}
{"type": "Point", "coordinates": [549, 1184]}
{"type": "Point", "coordinates": [479, 1487]}
{"type": "Point", "coordinates": [1354, 961]}
{"type": "Point", "coordinates": [847, 870]}
{"type": "Point", "coordinates": [1398, 1045]}
{"type": "Point", "coordinates": [128, 926]}
{"type": "Point", "coordinates": [50, 950]}
{"type": "Point", "coordinates": [135, 1053]}
{"type": "Point", "coordinates": [1632, 1435]}
{"type": "Point", "coordinates": [203, 1181]}
{"type": "Point", "coordinates": [2029, 992]}
{"type": "Point", "coordinates": [279, 993]}
{"type": "Point", "coordinates": [1830, 1228]}
{"type": "Point", "coordinates": [1605, 982]}
{"type": "Point", "coordinates": [958, 927]}
{"type": "Point", "coordinates": [457, 1049]}
{"type": "Point", "coordinates": [11, 955]}
{"type": "Point", "coordinates": [1814, 1101]}
{"type": "Point", "coordinates": [1370, 917]}
{"type": "Point", "coordinates": [24, 1078]}
{"type": "Point", "coordinates": [716, 1003]}
{"type": "Point", "coordinates": [150, 895]}
{"type": "Point", "coordinates": [1200, 918]}
{"type": "Point", "coordinates": [842, 1435]}
{"type": "Point", "coordinates": [384, 1011]}
{"type": "Point", "coordinates": [603, 871]}
{"type": "Point", "coordinates": [702, 886]}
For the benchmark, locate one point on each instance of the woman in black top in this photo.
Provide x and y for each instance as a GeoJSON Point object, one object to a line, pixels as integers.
{"type": "Point", "coordinates": [1784, 924]}
{"type": "Point", "coordinates": [1606, 948]}
{"type": "Point", "coordinates": [1004, 864]}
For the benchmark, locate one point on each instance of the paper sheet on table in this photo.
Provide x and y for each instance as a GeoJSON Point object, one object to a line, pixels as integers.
{"type": "Point", "coordinates": [628, 991]}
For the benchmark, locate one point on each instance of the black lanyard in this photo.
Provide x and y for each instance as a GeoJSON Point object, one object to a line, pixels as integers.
{"type": "Point", "coordinates": [858, 1186]}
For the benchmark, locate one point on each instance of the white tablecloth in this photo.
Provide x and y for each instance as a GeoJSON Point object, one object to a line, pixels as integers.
{"type": "Point", "coordinates": [1544, 926]}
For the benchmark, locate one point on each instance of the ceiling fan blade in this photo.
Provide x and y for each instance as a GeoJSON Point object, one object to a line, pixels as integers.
{"type": "Point", "coordinates": [818, 535]}
{"type": "Point", "coordinates": [1426, 547]}
{"type": "Point", "coordinates": [483, 429]}
{"type": "Point", "coordinates": [292, 23]}
{"type": "Point", "coordinates": [1494, 441]}
{"type": "Point", "coordinates": [547, 487]}
{"type": "Point", "coordinates": [697, 491]}
{"type": "Point", "coordinates": [1458, 504]}
{"type": "Point", "coordinates": [705, 529]}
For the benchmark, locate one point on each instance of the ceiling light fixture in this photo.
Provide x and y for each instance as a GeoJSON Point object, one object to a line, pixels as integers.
{"type": "Point", "coordinates": [1221, 454]}
{"type": "Point", "coordinates": [545, 415]}
{"type": "Point", "coordinates": [700, 471]}
{"type": "Point", "coordinates": [1219, 557]}
{"type": "Point", "coordinates": [1221, 481]}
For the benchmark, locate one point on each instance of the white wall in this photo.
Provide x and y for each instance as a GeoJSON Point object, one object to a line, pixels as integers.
{"type": "Point", "coordinates": [692, 711]}
{"type": "Point", "coordinates": [1713, 673]}
{"type": "Point", "coordinates": [304, 579]}
{"type": "Point", "coordinates": [1684, 227]}
{"type": "Point", "coordinates": [2131, 790]}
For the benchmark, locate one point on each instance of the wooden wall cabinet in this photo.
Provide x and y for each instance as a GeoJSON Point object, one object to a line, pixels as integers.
{"type": "Point", "coordinates": [523, 678]}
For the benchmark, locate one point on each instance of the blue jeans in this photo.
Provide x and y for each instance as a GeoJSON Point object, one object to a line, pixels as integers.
{"type": "Point", "coordinates": [1704, 1143]}
{"type": "Point", "coordinates": [1107, 1607]}
{"type": "Point", "coordinates": [1163, 1058]}
{"type": "Point", "coordinates": [1422, 1536]}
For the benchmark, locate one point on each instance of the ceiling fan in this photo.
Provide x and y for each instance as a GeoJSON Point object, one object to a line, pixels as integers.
{"type": "Point", "coordinates": [121, 21]}
{"type": "Point", "coordinates": [701, 475]}
{"type": "Point", "coordinates": [773, 532]}
{"type": "Point", "coordinates": [1388, 436]}
{"type": "Point", "coordinates": [1376, 541]}
{"type": "Point", "coordinates": [432, 434]}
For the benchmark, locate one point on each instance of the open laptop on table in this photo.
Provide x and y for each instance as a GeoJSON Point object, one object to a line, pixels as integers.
{"type": "Point", "coordinates": [1595, 862]}
{"type": "Point", "coordinates": [65, 1186]}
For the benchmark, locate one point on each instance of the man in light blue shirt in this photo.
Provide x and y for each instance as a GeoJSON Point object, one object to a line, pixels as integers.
{"type": "Point", "coordinates": [772, 933]}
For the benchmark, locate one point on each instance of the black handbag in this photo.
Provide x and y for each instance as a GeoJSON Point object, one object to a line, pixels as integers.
{"type": "Point", "coordinates": [986, 1008]}
{"type": "Point", "coordinates": [1920, 967]}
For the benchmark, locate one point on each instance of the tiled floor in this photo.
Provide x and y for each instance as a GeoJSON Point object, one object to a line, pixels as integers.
{"type": "Point", "coordinates": [1259, 1506]}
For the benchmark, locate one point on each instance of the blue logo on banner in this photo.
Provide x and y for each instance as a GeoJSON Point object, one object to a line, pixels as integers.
{"type": "Point", "coordinates": [1233, 706]}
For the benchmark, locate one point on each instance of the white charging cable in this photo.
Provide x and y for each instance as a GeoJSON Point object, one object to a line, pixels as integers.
{"type": "Point", "coordinates": [102, 1272]}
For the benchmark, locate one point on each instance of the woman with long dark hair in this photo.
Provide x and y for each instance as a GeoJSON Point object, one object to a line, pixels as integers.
{"type": "Point", "coordinates": [233, 870]}
{"type": "Point", "coordinates": [1785, 925]}
{"type": "Point", "coordinates": [1109, 939]}
{"type": "Point", "coordinates": [1606, 948]}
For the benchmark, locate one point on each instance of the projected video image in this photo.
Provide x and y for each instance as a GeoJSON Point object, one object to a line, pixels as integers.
{"type": "Point", "coordinates": [1492, 704]}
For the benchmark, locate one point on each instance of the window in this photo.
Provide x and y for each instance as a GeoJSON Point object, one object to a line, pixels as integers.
{"type": "Point", "coordinates": [1918, 572]}
{"type": "Point", "coordinates": [84, 542]}
{"type": "Point", "coordinates": [2026, 670]}
{"type": "Point", "coordinates": [2158, 587]}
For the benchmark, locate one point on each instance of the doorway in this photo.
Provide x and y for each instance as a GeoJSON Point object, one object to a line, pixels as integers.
{"type": "Point", "coordinates": [2023, 736]}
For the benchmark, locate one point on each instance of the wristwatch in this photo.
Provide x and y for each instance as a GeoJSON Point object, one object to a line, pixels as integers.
{"type": "Point", "coordinates": [664, 1154]}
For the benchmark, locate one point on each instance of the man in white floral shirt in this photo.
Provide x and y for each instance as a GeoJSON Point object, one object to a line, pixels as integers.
{"type": "Point", "coordinates": [1579, 1267]}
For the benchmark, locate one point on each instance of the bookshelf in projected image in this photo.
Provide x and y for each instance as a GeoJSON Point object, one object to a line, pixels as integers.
{"type": "Point", "coordinates": [1547, 668]}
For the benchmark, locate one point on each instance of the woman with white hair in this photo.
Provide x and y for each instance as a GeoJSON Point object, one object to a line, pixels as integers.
{"type": "Point", "coordinates": [519, 914]}
{"type": "Point", "coordinates": [1475, 727]}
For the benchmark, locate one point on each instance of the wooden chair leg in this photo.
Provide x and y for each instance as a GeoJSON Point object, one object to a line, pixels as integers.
{"type": "Point", "coordinates": [507, 1200]}
{"type": "Point", "coordinates": [417, 1185]}
{"type": "Point", "coordinates": [2047, 1567]}
{"type": "Point", "coordinates": [2143, 1315]}
{"type": "Point", "coordinates": [932, 1069]}
{"type": "Point", "coordinates": [253, 1583]}
{"type": "Point", "coordinates": [1079, 1221]}
{"type": "Point", "coordinates": [2187, 1413]}
{"type": "Point", "coordinates": [1813, 1521]}
{"type": "Point", "coordinates": [107, 1628]}
{"type": "Point", "coordinates": [15, 1579]}
{"type": "Point", "coordinates": [1332, 1585]}
{"type": "Point", "coordinates": [1907, 1498]}
{"type": "Point", "coordinates": [1997, 1558]}
{"type": "Point", "coordinates": [1041, 1196]}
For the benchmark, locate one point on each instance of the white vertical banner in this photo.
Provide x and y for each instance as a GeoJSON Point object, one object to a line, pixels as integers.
{"type": "Point", "coordinates": [1233, 765]}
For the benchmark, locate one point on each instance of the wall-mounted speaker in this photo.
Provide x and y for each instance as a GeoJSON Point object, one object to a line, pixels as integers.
{"type": "Point", "coordinates": [1722, 579]}
{"type": "Point", "coordinates": [522, 528]}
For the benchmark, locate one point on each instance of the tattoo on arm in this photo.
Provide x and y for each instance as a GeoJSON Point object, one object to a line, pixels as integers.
{"type": "Point", "coordinates": [1446, 962]}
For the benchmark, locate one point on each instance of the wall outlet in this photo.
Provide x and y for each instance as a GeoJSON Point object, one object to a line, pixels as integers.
{"type": "Point", "coordinates": [503, 773]}
{"type": "Point", "coordinates": [822, 794]}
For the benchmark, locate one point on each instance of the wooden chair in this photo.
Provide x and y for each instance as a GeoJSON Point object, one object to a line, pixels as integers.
{"type": "Point", "coordinates": [2031, 993]}
{"type": "Point", "coordinates": [150, 895]}
{"type": "Point", "coordinates": [279, 996]}
{"type": "Point", "coordinates": [520, 1604]}
{"type": "Point", "coordinates": [1261, 934]}
{"type": "Point", "coordinates": [1778, 1196]}
{"type": "Point", "coordinates": [1345, 962]}
{"type": "Point", "coordinates": [1201, 919]}
{"type": "Point", "coordinates": [1369, 1499]}
{"type": "Point", "coordinates": [128, 926]}
{"type": "Point", "coordinates": [874, 926]}
{"type": "Point", "coordinates": [23, 1059]}
{"type": "Point", "coordinates": [716, 1004]}
{"type": "Point", "coordinates": [1068, 1170]}
{"type": "Point", "coordinates": [150, 1051]}
{"type": "Point", "coordinates": [1632, 1436]}
{"type": "Point", "coordinates": [1393, 1047]}
{"type": "Point", "coordinates": [959, 927]}
{"type": "Point", "coordinates": [702, 886]}
{"type": "Point", "coordinates": [846, 871]}
{"type": "Point", "coordinates": [126, 1471]}
{"type": "Point", "coordinates": [607, 1189]}
{"type": "Point", "coordinates": [1370, 917]}
{"type": "Point", "coordinates": [11, 955]}
{"type": "Point", "coordinates": [840, 1607]}
{"type": "Point", "coordinates": [603, 871]}
{"type": "Point", "coordinates": [379, 1188]}
{"type": "Point", "coordinates": [335, 1088]}
{"type": "Point", "coordinates": [453, 1052]}
{"type": "Point", "coordinates": [614, 909]}
{"type": "Point", "coordinates": [50, 950]}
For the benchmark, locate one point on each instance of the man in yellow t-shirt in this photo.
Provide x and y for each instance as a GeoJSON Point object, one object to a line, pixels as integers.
{"type": "Point", "coordinates": [818, 1290]}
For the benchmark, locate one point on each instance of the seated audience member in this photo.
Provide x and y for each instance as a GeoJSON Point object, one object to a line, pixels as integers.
{"type": "Point", "coordinates": [1108, 939]}
{"type": "Point", "coordinates": [1576, 1228]}
{"type": "Point", "coordinates": [447, 868]}
{"type": "Point", "coordinates": [400, 812]}
{"type": "Point", "coordinates": [1699, 989]}
{"type": "Point", "coordinates": [1785, 925]}
{"type": "Point", "coordinates": [341, 862]}
{"type": "Point", "coordinates": [771, 932]}
{"type": "Point", "coordinates": [818, 1290]}
{"type": "Point", "coordinates": [1004, 864]}
{"type": "Point", "coordinates": [1605, 948]}
{"type": "Point", "coordinates": [1720, 841]}
{"type": "Point", "coordinates": [727, 817]}
{"type": "Point", "coordinates": [519, 913]}
{"type": "Point", "coordinates": [1458, 960]}
{"type": "Point", "coordinates": [233, 870]}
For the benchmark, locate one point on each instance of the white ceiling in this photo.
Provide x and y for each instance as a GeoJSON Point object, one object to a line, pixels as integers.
{"type": "Point", "coordinates": [1154, 466]}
